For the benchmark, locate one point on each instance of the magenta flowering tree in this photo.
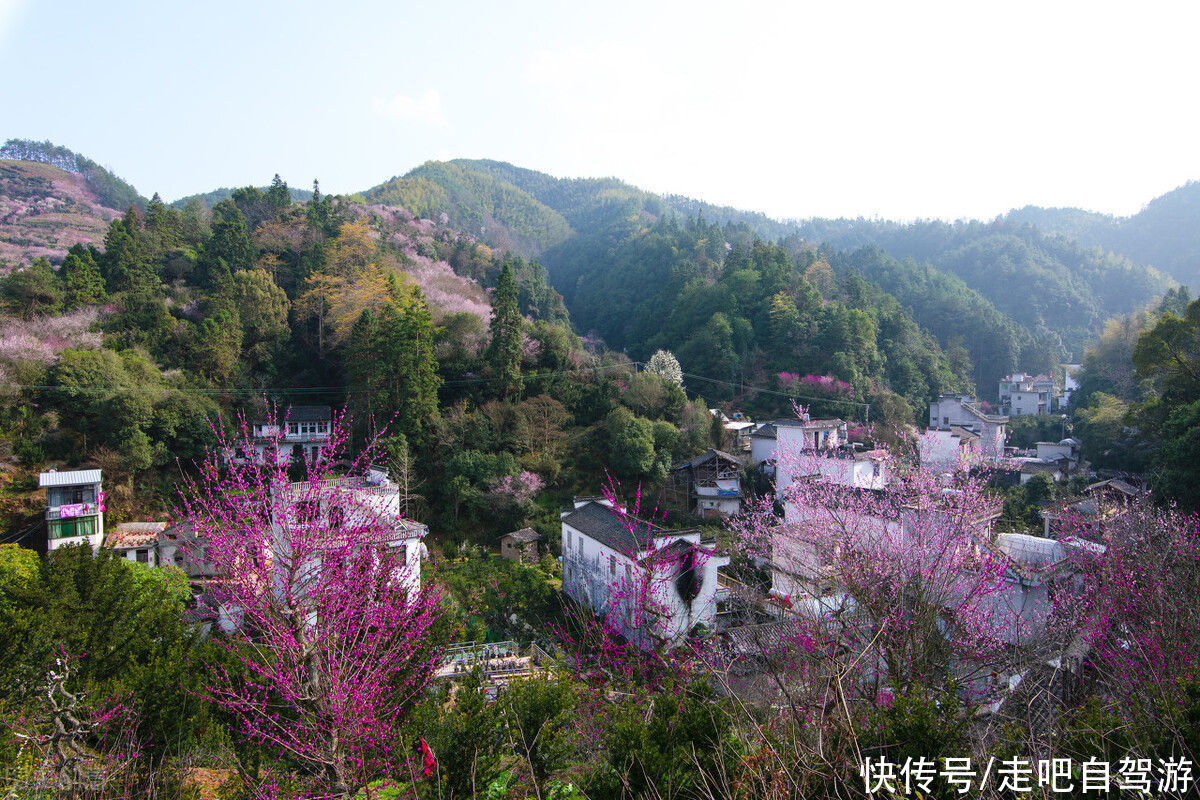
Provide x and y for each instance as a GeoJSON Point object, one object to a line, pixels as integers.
{"type": "Point", "coordinates": [889, 582]}
{"type": "Point", "coordinates": [318, 583]}
{"type": "Point", "coordinates": [1135, 619]}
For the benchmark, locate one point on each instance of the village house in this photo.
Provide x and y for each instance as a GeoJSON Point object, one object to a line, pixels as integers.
{"type": "Point", "coordinates": [708, 485]}
{"type": "Point", "coordinates": [1022, 394]}
{"type": "Point", "coordinates": [74, 507]}
{"type": "Point", "coordinates": [136, 541]}
{"type": "Point", "coordinates": [962, 411]}
{"type": "Point", "coordinates": [812, 434]}
{"type": "Point", "coordinates": [298, 438]}
{"type": "Point", "coordinates": [955, 448]}
{"type": "Point", "coordinates": [521, 545]}
{"type": "Point", "coordinates": [652, 584]}
{"type": "Point", "coordinates": [1090, 516]}
{"type": "Point", "coordinates": [370, 502]}
{"type": "Point", "coordinates": [737, 428]}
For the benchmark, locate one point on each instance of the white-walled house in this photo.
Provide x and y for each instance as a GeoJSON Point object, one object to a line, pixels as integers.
{"type": "Point", "coordinates": [1056, 451]}
{"type": "Point", "coordinates": [299, 437]}
{"type": "Point", "coordinates": [953, 449]}
{"type": "Point", "coordinates": [74, 507]}
{"type": "Point", "coordinates": [950, 411]}
{"type": "Point", "coordinates": [1022, 394]}
{"type": "Point", "coordinates": [137, 541]}
{"type": "Point", "coordinates": [368, 503]}
{"type": "Point", "coordinates": [652, 584]}
{"type": "Point", "coordinates": [808, 434]}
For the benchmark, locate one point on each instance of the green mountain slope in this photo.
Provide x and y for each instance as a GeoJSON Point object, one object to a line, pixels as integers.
{"type": "Point", "coordinates": [1051, 285]}
{"type": "Point", "coordinates": [478, 203]}
{"type": "Point", "coordinates": [108, 190]}
{"type": "Point", "coordinates": [1166, 233]}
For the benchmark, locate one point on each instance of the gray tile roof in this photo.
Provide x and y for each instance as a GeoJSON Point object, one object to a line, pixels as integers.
{"type": "Point", "coordinates": [524, 535]}
{"type": "Point", "coordinates": [309, 414]}
{"type": "Point", "coordinates": [628, 536]}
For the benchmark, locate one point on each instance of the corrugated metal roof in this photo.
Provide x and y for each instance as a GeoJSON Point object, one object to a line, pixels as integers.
{"type": "Point", "coordinates": [69, 478]}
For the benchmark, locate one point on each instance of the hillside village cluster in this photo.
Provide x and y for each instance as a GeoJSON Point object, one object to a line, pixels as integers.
{"type": "Point", "coordinates": [657, 585]}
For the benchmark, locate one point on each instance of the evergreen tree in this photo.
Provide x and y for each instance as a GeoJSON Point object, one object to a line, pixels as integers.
{"type": "Point", "coordinates": [278, 196]}
{"type": "Point", "coordinates": [504, 352]}
{"type": "Point", "coordinates": [229, 249]}
{"type": "Point", "coordinates": [81, 278]}
{"type": "Point", "coordinates": [34, 290]}
{"type": "Point", "coordinates": [392, 368]}
{"type": "Point", "coordinates": [125, 266]}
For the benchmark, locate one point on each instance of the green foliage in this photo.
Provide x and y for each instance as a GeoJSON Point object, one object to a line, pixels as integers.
{"type": "Point", "coordinates": [35, 290]}
{"type": "Point", "coordinates": [540, 717]}
{"type": "Point", "coordinates": [504, 351]}
{"type": "Point", "coordinates": [667, 743]}
{"type": "Point", "coordinates": [465, 737]}
{"type": "Point", "coordinates": [490, 590]}
{"type": "Point", "coordinates": [122, 622]}
{"type": "Point", "coordinates": [392, 368]}
{"type": "Point", "coordinates": [82, 282]}
{"type": "Point", "coordinates": [510, 218]}
{"type": "Point", "coordinates": [1177, 461]}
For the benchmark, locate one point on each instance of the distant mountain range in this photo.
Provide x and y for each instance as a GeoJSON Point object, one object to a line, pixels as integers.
{"type": "Point", "coordinates": [1057, 274]}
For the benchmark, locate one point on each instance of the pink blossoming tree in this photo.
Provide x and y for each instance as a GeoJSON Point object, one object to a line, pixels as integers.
{"type": "Point", "coordinates": [320, 581]}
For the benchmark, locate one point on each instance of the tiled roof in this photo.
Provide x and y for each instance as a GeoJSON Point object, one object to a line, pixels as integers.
{"type": "Point", "coordinates": [524, 535]}
{"type": "Point", "coordinates": [309, 414]}
{"type": "Point", "coordinates": [628, 535]}
{"type": "Point", "coordinates": [704, 458]}
{"type": "Point", "coordinates": [133, 534]}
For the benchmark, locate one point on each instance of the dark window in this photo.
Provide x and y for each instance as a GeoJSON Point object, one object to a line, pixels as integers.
{"type": "Point", "coordinates": [337, 517]}
{"type": "Point", "coordinates": [143, 556]}
{"type": "Point", "coordinates": [308, 511]}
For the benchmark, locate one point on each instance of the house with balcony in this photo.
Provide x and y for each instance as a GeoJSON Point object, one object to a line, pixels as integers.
{"type": "Point", "coordinates": [708, 485]}
{"type": "Point", "coordinates": [298, 437]}
{"type": "Point", "coordinates": [652, 584]}
{"type": "Point", "coordinates": [952, 411]}
{"type": "Point", "coordinates": [816, 434]}
{"type": "Point", "coordinates": [74, 507]}
{"type": "Point", "coordinates": [1022, 394]}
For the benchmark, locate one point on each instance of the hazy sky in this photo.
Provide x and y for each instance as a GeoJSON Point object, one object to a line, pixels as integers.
{"type": "Point", "coordinates": [892, 109]}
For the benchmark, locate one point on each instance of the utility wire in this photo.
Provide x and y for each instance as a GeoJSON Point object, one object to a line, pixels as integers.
{"type": "Point", "coordinates": [350, 390]}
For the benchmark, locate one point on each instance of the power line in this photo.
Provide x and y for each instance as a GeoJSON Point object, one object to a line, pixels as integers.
{"type": "Point", "coordinates": [352, 391]}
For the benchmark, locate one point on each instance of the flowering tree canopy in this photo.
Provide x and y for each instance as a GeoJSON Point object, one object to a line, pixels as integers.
{"type": "Point", "coordinates": [319, 581]}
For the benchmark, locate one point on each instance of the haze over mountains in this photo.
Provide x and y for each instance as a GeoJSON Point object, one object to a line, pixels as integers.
{"type": "Point", "coordinates": [1043, 279]}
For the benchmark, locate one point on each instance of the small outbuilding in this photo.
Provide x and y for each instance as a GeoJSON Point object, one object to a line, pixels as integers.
{"type": "Point", "coordinates": [521, 545]}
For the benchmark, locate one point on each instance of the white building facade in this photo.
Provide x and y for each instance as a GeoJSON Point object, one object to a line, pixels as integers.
{"type": "Point", "coordinates": [74, 507]}
{"type": "Point", "coordinates": [652, 584]}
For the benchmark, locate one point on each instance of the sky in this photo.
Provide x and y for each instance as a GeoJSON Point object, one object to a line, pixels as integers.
{"type": "Point", "coordinates": [890, 109]}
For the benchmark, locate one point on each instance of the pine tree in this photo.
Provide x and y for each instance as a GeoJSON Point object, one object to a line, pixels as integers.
{"type": "Point", "coordinates": [229, 249]}
{"type": "Point", "coordinates": [278, 195]}
{"type": "Point", "coordinates": [81, 278]}
{"type": "Point", "coordinates": [504, 352]}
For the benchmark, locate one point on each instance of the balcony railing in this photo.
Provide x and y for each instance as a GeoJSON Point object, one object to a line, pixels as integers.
{"type": "Point", "coordinates": [73, 511]}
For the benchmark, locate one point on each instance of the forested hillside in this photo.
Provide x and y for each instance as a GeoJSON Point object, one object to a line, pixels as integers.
{"type": "Point", "coordinates": [472, 201]}
{"type": "Point", "coordinates": [1067, 290]}
{"type": "Point", "coordinates": [1165, 234]}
